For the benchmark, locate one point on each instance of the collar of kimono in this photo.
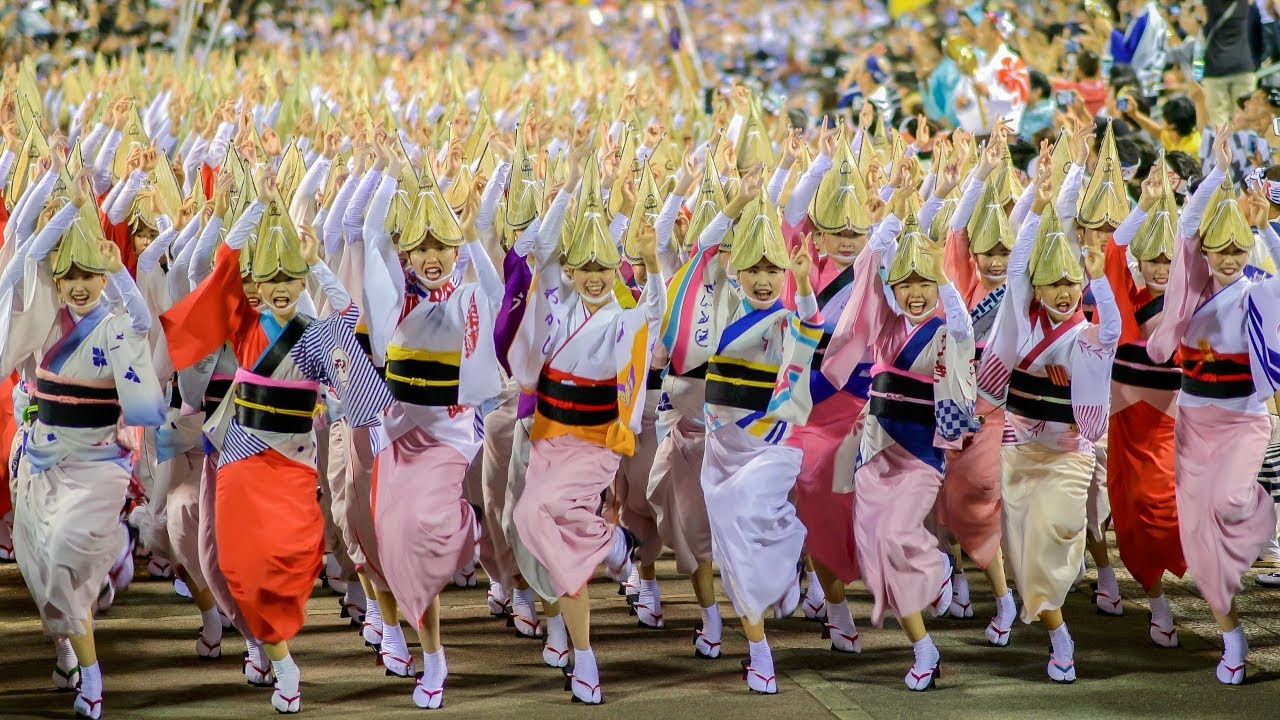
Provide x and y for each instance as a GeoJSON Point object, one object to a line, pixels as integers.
{"type": "Point", "coordinates": [439, 294]}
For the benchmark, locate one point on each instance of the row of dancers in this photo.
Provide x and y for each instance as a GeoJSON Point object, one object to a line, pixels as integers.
{"type": "Point", "coordinates": [878, 351]}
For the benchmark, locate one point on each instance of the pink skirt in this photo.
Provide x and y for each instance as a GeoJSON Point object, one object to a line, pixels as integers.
{"type": "Point", "coordinates": [422, 516]}
{"type": "Point", "coordinates": [901, 565]}
{"type": "Point", "coordinates": [969, 504]}
{"type": "Point", "coordinates": [827, 511]}
{"type": "Point", "coordinates": [358, 526]}
{"type": "Point", "coordinates": [675, 492]}
{"type": "Point", "coordinates": [632, 486]}
{"type": "Point", "coordinates": [182, 513]}
{"type": "Point", "coordinates": [495, 459]}
{"type": "Point", "coordinates": [1224, 515]}
{"type": "Point", "coordinates": [557, 514]}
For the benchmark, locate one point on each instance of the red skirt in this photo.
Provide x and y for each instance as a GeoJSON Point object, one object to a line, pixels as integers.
{"type": "Point", "coordinates": [1140, 484]}
{"type": "Point", "coordinates": [270, 541]}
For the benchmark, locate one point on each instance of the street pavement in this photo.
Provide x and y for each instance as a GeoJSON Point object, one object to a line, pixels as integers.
{"type": "Point", "coordinates": [146, 643]}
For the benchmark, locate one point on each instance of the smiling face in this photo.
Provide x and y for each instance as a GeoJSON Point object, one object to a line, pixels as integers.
{"type": "Point", "coordinates": [80, 289]}
{"type": "Point", "coordinates": [1061, 299]}
{"type": "Point", "coordinates": [993, 265]}
{"type": "Point", "coordinates": [917, 296]}
{"type": "Point", "coordinates": [1226, 265]}
{"type": "Point", "coordinates": [1155, 273]}
{"type": "Point", "coordinates": [594, 282]}
{"type": "Point", "coordinates": [280, 295]}
{"type": "Point", "coordinates": [842, 247]}
{"type": "Point", "coordinates": [761, 283]}
{"type": "Point", "coordinates": [433, 262]}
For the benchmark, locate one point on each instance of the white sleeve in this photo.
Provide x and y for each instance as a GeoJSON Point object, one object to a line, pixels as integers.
{"type": "Point", "coordinates": [806, 187]}
{"type": "Point", "coordinates": [806, 307]}
{"type": "Point", "coordinates": [352, 219]}
{"type": "Point", "coordinates": [122, 203]}
{"type": "Point", "coordinates": [1108, 312]}
{"type": "Point", "coordinates": [150, 257]}
{"type": "Point", "coordinates": [374, 229]}
{"type": "Point", "coordinates": [306, 191]}
{"type": "Point", "coordinates": [339, 298]}
{"type": "Point", "coordinates": [245, 225]}
{"type": "Point", "coordinates": [1125, 233]}
{"type": "Point", "coordinates": [131, 297]}
{"type": "Point", "coordinates": [202, 253]}
{"type": "Point", "coordinates": [959, 323]}
{"type": "Point", "coordinates": [714, 232]}
{"type": "Point", "coordinates": [491, 195]}
{"type": "Point", "coordinates": [968, 203]}
{"type": "Point", "coordinates": [666, 224]}
{"type": "Point", "coordinates": [39, 247]}
{"type": "Point", "coordinates": [547, 242]}
{"type": "Point", "coordinates": [1198, 203]}
{"type": "Point", "coordinates": [102, 163]}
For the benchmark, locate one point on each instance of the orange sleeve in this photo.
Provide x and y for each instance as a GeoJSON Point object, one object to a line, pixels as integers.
{"type": "Point", "coordinates": [1125, 290]}
{"type": "Point", "coordinates": [212, 314]}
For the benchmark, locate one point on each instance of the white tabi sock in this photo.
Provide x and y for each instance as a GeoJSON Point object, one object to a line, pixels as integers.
{"type": "Point", "coordinates": [761, 657]}
{"type": "Point", "coordinates": [288, 675]}
{"type": "Point", "coordinates": [211, 629]}
{"type": "Point", "coordinates": [1161, 613]}
{"type": "Point", "coordinates": [1064, 647]}
{"type": "Point", "coordinates": [712, 626]}
{"type": "Point", "coordinates": [91, 681]}
{"type": "Point", "coordinates": [66, 654]}
{"type": "Point", "coordinates": [1235, 646]}
{"type": "Point", "coordinates": [1107, 581]}
{"type": "Point", "coordinates": [651, 596]}
{"type": "Point", "coordinates": [927, 655]}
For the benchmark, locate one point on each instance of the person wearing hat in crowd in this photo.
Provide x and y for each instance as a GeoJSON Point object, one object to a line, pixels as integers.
{"type": "Point", "coordinates": [92, 376]}
{"type": "Point", "coordinates": [588, 359]}
{"type": "Point", "coordinates": [439, 366]}
{"type": "Point", "coordinates": [1140, 480]}
{"type": "Point", "coordinates": [1053, 370]}
{"type": "Point", "coordinates": [1224, 515]}
{"type": "Point", "coordinates": [270, 543]}
{"type": "Point", "coordinates": [922, 400]}
{"type": "Point", "coordinates": [979, 240]}
{"type": "Point", "coordinates": [757, 392]}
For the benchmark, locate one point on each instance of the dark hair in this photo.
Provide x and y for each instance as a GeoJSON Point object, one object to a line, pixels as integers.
{"type": "Point", "coordinates": [1187, 167]}
{"type": "Point", "coordinates": [1039, 81]}
{"type": "Point", "coordinates": [1180, 112]}
{"type": "Point", "coordinates": [797, 118]}
{"type": "Point", "coordinates": [1088, 64]}
{"type": "Point", "coordinates": [1127, 151]}
{"type": "Point", "coordinates": [1021, 153]}
{"type": "Point", "coordinates": [1122, 75]}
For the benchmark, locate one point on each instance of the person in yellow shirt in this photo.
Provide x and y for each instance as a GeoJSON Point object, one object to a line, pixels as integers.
{"type": "Point", "coordinates": [1178, 129]}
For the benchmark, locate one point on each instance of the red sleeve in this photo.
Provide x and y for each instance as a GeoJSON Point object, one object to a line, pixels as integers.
{"type": "Point", "coordinates": [207, 176]}
{"type": "Point", "coordinates": [1125, 290]}
{"type": "Point", "coordinates": [211, 315]}
{"type": "Point", "coordinates": [959, 264]}
{"type": "Point", "coordinates": [4, 215]}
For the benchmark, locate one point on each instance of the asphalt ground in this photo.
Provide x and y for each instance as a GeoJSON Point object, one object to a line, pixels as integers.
{"type": "Point", "coordinates": [146, 644]}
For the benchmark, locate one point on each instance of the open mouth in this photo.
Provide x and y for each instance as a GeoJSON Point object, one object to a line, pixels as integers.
{"type": "Point", "coordinates": [915, 307]}
{"type": "Point", "coordinates": [1063, 307]}
{"type": "Point", "coordinates": [763, 294]}
{"type": "Point", "coordinates": [1227, 272]}
{"type": "Point", "coordinates": [280, 302]}
{"type": "Point", "coordinates": [79, 297]}
{"type": "Point", "coordinates": [255, 302]}
{"type": "Point", "coordinates": [432, 274]}
{"type": "Point", "coordinates": [594, 288]}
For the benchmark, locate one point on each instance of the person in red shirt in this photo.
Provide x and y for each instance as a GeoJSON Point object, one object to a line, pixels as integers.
{"type": "Point", "coordinates": [1086, 82]}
